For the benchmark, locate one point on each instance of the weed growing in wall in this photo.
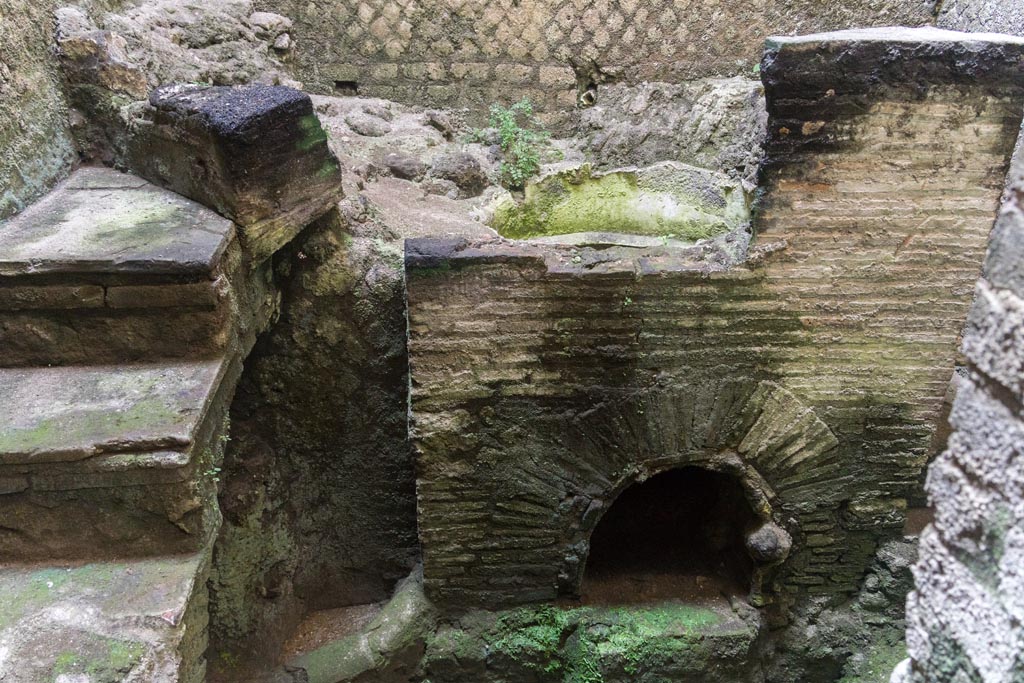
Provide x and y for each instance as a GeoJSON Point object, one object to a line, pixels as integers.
{"type": "Point", "coordinates": [521, 138]}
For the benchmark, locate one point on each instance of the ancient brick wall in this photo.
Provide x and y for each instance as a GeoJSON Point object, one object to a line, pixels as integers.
{"type": "Point", "coordinates": [453, 52]}
{"type": "Point", "coordinates": [964, 618]}
{"type": "Point", "coordinates": [543, 378]}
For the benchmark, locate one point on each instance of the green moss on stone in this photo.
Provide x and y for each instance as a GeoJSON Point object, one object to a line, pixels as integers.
{"type": "Point", "coordinates": [589, 644]}
{"type": "Point", "coordinates": [669, 200]}
{"type": "Point", "coordinates": [51, 433]}
{"type": "Point", "coordinates": [533, 636]}
{"type": "Point", "coordinates": [101, 659]}
{"type": "Point", "coordinates": [879, 664]}
{"type": "Point", "coordinates": [312, 133]}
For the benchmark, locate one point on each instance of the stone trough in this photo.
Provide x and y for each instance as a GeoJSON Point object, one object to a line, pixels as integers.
{"type": "Point", "coordinates": [672, 203]}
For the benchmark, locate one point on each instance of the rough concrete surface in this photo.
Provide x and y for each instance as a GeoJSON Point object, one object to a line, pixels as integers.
{"type": "Point", "coordinates": [35, 140]}
{"type": "Point", "coordinates": [964, 616]}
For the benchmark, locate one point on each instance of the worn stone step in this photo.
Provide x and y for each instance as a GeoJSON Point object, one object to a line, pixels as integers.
{"type": "Point", "coordinates": [142, 619]}
{"type": "Point", "coordinates": [110, 267]}
{"type": "Point", "coordinates": [103, 460]}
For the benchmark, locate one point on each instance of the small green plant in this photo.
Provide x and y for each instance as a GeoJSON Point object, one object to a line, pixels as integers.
{"type": "Point", "coordinates": [519, 141]}
{"type": "Point", "coordinates": [213, 473]}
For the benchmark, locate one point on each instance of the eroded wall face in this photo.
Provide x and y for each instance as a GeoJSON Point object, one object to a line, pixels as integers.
{"type": "Point", "coordinates": [445, 52]}
{"type": "Point", "coordinates": [35, 141]}
{"type": "Point", "coordinates": [966, 613]}
{"type": "Point", "coordinates": [964, 618]}
{"type": "Point", "coordinates": [885, 164]}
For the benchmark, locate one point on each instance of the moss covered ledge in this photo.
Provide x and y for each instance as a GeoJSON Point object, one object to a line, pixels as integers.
{"type": "Point", "coordinates": [669, 200]}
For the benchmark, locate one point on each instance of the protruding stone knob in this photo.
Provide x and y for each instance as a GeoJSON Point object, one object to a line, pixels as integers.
{"type": "Point", "coordinates": [768, 544]}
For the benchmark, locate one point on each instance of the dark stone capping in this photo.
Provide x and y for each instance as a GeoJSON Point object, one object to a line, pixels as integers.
{"type": "Point", "coordinates": [428, 253]}
{"type": "Point", "coordinates": [818, 86]}
{"type": "Point", "coordinates": [256, 154]}
{"type": "Point", "coordinates": [240, 114]}
{"type": "Point", "coordinates": [870, 61]}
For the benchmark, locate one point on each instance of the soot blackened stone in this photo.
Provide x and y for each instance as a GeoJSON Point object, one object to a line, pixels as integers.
{"type": "Point", "coordinates": [234, 113]}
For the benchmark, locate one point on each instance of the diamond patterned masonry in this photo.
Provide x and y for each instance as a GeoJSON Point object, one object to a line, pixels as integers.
{"type": "Point", "coordinates": [471, 53]}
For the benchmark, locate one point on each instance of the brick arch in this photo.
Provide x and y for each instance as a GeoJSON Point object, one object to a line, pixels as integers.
{"type": "Point", "coordinates": [781, 453]}
{"type": "Point", "coordinates": [508, 490]}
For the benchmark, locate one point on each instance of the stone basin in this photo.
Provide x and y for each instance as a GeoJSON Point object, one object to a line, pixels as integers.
{"type": "Point", "coordinates": [669, 201]}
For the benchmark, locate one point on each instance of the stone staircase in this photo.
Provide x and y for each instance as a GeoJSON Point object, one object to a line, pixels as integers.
{"type": "Point", "coordinates": [108, 267]}
{"type": "Point", "coordinates": [118, 372]}
{"type": "Point", "coordinates": [126, 311]}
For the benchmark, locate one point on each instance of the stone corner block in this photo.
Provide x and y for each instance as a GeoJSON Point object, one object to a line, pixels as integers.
{"type": "Point", "coordinates": [257, 154]}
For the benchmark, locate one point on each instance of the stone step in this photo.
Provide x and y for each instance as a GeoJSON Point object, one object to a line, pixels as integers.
{"type": "Point", "coordinates": [142, 619]}
{"type": "Point", "coordinates": [97, 461]}
{"type": "Point", "coordinates": [108, 267]}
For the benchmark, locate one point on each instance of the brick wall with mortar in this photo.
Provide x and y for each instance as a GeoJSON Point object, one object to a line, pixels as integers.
{"type": "Point", "coordinates": [964, 618]}
{"type": "Point", "coordinates": [470, 54]}
{"type": "Point", "coordinates": [513, 350]}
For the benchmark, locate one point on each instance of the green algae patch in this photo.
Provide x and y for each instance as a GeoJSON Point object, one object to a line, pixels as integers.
{"type": "Point", "coordinates": [533, 636]}
{"type": "Point", "coordinates": [634, 640]}
{"type": "Point", "coordinates": [669, 200]}
{"type": "Point", "coordinates": [99, 658]}
{"type": "Point", "coordinates": [592, 644]}
{"type": "Point", "coordinates": [877, 664]}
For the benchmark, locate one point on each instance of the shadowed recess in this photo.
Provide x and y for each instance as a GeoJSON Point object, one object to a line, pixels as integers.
{"type": "Point", "coordinates": [676, 535]}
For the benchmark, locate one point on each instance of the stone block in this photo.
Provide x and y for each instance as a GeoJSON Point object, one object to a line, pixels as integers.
{"type": "Point", "coordinates": [513, 74]}
{"type": "Point", "coordinates": [116, 458]}
{"type": "Point", "coordinates": [1004, 267]}
{"type": "Point", "coordinates": [557, 76]}
{"type": "Point", "coordinates": [256, 154]}
{"type": "Point", "coordinates": [383, 72]}
{"type": "Point", "coordinates": [20, 298]}
{"type": "Point", "coordinates": [100, 58]}
{"type": "Point", "coordinates": [192, 295]}
{"type": "Point", "coordinates": [108, 223]}
{"type": "Point", "coordinates": [73, 413]}
{"type": "Point", "coordinates": [471, 71]}
{"type": "Point", "coordinates": [160, 598]}
{"type": "Point", "coordinates": [994, 337]}
{"type": "Point", "coordinates": [988, 441]}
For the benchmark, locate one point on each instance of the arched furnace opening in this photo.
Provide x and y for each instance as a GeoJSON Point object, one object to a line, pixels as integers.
{"type": "Point", "coordinates": [679, 534]}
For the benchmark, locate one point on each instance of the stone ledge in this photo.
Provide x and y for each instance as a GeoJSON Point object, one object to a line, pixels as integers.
{"type": "Point", "coordinates": [424, 256]}
{"type": "Point", "coordinates": [137, 620]}
{"type": "Point", "coordinates": [102, 222]}
{"type": "Point", "coordinates": [99, 461]}
{"type": "Point", "coordinates": [72, 413]}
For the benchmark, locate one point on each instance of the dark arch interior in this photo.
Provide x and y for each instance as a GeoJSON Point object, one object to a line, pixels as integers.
{"type": "Point", "coordinates": [678, 534]}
